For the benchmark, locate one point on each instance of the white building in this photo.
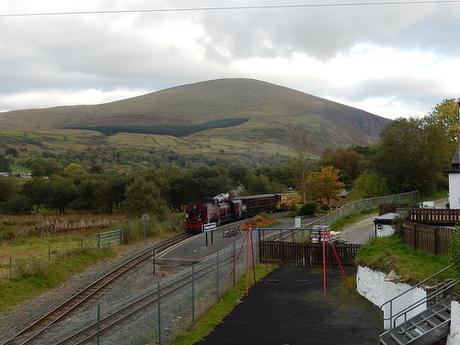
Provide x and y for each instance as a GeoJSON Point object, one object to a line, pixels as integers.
{"type": "Point", "coordinates": [454, 182]}
{"type": "Point", "coordinates": [384, 224]}
{"type": "Point", "coordinates": [454, 175]}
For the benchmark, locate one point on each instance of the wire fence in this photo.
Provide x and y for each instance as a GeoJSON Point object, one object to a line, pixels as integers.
{"type": "Point", "coordinates": [13, 267]}
{"type": "Point", "coordinates": [156, 313]}
{"type": "Point", "coordinates": [363, 204]}
{"type": "Point", "coordinates": [350, 208]}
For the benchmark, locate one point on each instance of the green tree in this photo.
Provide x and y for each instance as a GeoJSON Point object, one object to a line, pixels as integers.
{"type": "Point", "coordinates": [178, 191]}
{"type": "Point", "coordinates": [37, 190]}
{"type": "Point", "coordinates": [412, 154]}
{"type": "Point", "coordinates": [367, 185]}
{"type": "Point", "coordinates": [17, 204]}
{"type": "Point", "coordinates": [11, 151]}
{"type": "Point", "coordinates": [4, 163]}
{"type": "Point", "coordinates": [260, 184]}
{"type": "Point", "coordinates": [62, 192]}
{"type": "Point", "coordinates": [7, 188]}
{"type": "Point", "coordinates": [308, 209]}
{"type": "Point", "coordinates": [75, 170]}
{"type": "Point", "coordinates": [143, 196]}
{"type": "Point", "coordinates": [44, 167]}
{"type": "Point", "coordinates": [348, 161]}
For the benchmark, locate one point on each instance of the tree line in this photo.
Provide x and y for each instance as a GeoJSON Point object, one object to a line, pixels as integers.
{"type": "Point", "coordinates": [411, 154]}
{"type": "Point", "coordinates": [157, 191]}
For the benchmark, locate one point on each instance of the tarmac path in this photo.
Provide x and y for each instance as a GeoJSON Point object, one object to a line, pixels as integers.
{"type": "Point", "coordinates": [361, 231]}
{"type": "Point", "coordinates": [288, 307]}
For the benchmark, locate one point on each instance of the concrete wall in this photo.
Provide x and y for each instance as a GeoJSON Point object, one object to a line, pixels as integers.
{"type": "Point", "coordinates": [385, 230]}
{"type": "Point", "coordinates": [372, 286]}
{"type": "Point", "coordinates": [454, 337]}
{"type": "Point", "coordinates": [454, 190]}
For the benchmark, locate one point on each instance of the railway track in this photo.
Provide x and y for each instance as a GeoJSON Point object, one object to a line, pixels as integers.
{"type": "Point", "coordinates": [32, 332]}
{"type": "Point", "coordinates": [89, 333]}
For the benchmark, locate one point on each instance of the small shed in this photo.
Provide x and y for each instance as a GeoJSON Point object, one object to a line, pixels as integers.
{"type": "Point", "coordinates": [384, 224]}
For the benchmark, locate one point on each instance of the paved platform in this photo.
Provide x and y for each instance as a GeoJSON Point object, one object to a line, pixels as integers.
{"type": "Point", "coordinates": [287, 307]}
{"type": "Point", "coordinates": [194, 249]}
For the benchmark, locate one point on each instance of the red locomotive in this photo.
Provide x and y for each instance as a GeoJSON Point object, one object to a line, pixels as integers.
{"type": "Point", "coordinates": [222, 209]}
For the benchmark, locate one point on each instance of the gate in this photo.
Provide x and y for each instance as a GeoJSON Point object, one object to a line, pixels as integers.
{"type": "Point", "coordinates": [306, 254]}
{"type": "Point", "coordinates": [109, 238]}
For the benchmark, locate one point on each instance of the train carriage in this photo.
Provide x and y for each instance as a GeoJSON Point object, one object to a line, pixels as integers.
{"type": "Point", "coordinates": [222, 209]}
{"type": "Point", "coordinates": [255, 204]}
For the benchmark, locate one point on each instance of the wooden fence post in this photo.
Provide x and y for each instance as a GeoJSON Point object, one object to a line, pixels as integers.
{"type": "Point", "coordinates": [10, 269]}
{"type": "Point", "coordinates": [415, 236]}
{"type": "Point", "coordinates": [435, 231]}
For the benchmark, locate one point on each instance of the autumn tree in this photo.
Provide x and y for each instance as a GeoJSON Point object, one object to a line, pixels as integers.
{"type": "Point", "coordinates": [445, 114]}
{"type": "Point", "coordinates": [324, 184]}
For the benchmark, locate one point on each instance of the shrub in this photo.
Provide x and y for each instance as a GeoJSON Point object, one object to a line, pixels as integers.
{"type": "Point", "coordinates": [454, 248]}
{"type": "Point", "coordinates": [308, 209]}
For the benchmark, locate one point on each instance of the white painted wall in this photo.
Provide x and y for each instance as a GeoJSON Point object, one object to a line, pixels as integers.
{"type": "Point", "coordinates": [454, 337]}
{"type": "Point", "coordinates": [385, 230]}
{"type": "Point", "coordinates": [372, 286]}
{"type": "Point", "coordinates": [454, 190]}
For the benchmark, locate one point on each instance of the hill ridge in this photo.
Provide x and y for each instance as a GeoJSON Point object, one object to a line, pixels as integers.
{"type": "Point", "coordinates": [210, 112]}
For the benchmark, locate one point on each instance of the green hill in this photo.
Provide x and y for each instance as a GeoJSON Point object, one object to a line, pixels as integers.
{"type": "Point", "coordinates": [234, 116]}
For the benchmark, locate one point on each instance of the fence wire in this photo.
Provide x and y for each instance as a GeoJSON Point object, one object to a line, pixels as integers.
{"type": "Point", "coordinates": [152, 316]}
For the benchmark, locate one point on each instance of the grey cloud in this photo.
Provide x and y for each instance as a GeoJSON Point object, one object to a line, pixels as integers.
{"type": "Point", "coordinates": [63, 52]}
{"type": "Point", "coordinates": [416, 90]}
{"type": "Point", "coordinates": [320, 32]}
{"type": "Point", "coordinates": [80, 53]}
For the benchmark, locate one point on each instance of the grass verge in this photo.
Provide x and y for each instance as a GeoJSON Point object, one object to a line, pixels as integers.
{"type": "Point", "coordinates": [209, 320]}
{"type": "Point", "coordinates": [390, 253]}
{"type": "Point", "coordinates": [341, 223]}
{"type": "Point", "coordinates": [30, 284]}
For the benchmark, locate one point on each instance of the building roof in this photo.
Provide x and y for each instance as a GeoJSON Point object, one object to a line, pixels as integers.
{"type": "Point", "coordinates": [386, 218]}
{"type": "Point", "coordinates": [455, 164]}
{"type": "Point", "coordinates": [456, 159]}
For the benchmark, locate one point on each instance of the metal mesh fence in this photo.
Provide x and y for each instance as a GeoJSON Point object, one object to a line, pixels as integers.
{"type": "Point", "coordinates": [12, 267]}
{"type": "Point", "coordinates": [154, 315]}
{"type": "Point", "coordinates": [350, 208]}
{"type": "Point", "coordinates": [363, 204]}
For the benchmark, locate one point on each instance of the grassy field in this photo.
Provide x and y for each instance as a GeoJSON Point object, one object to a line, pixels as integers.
{"type": "Point", "coordinates": [42, 262]}
{"type": "Point", "coordinates": [210, 319]}
{"type": "Point", "coordinates": [390, 253]}
{"type": "Point", "coordinates": [32, 282]}
{"type": "Point", "coordinates": [14, 229]}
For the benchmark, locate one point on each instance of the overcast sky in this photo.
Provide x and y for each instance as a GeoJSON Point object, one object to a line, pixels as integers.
{"type": "Point", "coordinates": [390, 60]}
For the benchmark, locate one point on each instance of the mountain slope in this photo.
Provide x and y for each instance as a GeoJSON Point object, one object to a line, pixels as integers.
{"type": "Point", "coordinates": [238, 110]}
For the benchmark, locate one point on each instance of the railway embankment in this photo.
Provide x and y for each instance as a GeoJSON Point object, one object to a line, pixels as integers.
{"type": "Point", "coordinates": [12, 322]}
